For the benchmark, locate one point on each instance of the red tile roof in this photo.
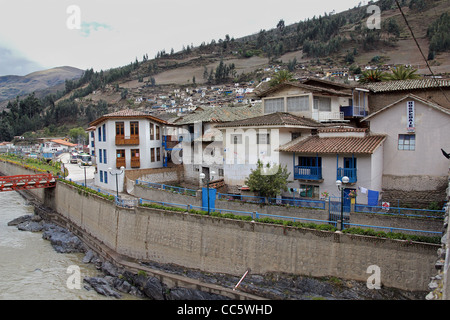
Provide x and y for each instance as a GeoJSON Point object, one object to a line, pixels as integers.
{"type": "Point", "coordinates": [333, 145]}
{"type": "Point", "coordinates": [274, 119]}
{"type": "Point", "coordinates": [63, 142]}
{"type": "Point", "coordinates": [132, 114]}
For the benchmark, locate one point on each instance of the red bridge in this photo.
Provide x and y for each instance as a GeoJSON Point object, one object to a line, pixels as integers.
{"type": "Point", "coordinates": [25, 182]}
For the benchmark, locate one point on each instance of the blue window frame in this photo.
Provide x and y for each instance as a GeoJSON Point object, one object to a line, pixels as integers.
{"type": "Point", "coordinates": [100, 154]}
{"type": "Point", "coordinates": [104, 156]}
{"type": "Point", "coordinates": [101, 175]}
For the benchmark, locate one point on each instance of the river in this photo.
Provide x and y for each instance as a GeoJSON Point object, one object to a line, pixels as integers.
{"type": "Point", "coordinates": [30, 269]}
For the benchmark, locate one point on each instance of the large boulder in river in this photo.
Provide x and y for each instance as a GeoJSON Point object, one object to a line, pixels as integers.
{"type": "Point", "coordinates": [62, 240]}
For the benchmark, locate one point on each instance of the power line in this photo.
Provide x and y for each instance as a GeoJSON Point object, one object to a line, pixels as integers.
{"type": "Point", "coordinates": [420, 49]}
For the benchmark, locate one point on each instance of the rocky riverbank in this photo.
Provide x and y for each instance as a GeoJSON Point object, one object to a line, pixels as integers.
{"type": "Point", "coordinates": [114, 282]}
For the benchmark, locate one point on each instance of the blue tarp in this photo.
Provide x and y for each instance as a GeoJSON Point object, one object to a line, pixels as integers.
{"type": "Point", "coordinates": [372, 197]}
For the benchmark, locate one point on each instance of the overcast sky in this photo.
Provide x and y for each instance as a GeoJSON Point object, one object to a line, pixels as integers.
{"type": "Point", "coordinates": [40, 34]}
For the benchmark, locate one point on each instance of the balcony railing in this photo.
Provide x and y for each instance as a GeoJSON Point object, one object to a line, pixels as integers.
{"type": "Point", "coordinates": [120, 162]}
{"type": "Point", "coordinates": [323, 116]}
{"type": "Point", "coordinates": [349, 172]}
{"type": "Point", "coordinates": [127, 140]}
{"type": "Point", "coordinates": [135, 163]}
{"type": "Point", "coordinates": [307, 173]}
{"type": "Point", "coordinates": [354, 111]}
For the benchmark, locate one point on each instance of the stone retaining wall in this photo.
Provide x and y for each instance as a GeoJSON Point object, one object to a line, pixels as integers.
{"type": "Point", "coordinates": [440, 282]}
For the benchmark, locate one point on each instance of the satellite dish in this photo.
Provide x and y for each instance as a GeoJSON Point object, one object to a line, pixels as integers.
{"type": "Point", "coordinates": [445, 154]}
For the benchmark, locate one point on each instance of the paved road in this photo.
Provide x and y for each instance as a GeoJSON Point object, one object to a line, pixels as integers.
{"type": "Point", "coordinates": [76, 173]}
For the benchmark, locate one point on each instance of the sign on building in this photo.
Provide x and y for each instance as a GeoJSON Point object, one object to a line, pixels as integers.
{"type": "Point", "coordinates": [410, 117]}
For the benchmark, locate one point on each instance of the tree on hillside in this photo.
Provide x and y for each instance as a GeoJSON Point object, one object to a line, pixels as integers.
{"type": "Point", "coordinates": [268, 181]}
{"type": "Point", "coordinates": [439, 34]}
{"type": "Point", "coordinates": [403, 73]}
{"type": "Point", "coordinates": [281, 77]}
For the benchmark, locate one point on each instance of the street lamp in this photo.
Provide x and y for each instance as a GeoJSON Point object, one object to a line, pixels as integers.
{"type": "Point", "coordinates": [203, 176]}
{"type": "Point", "coordinates": [116, 174]}
{"type": "Point", "coordinates": [84, 167]}
{"type": "Point", "coordinates": [341, 186]}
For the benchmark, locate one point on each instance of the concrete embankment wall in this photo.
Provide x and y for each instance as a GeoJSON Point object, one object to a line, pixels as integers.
{"type": "Point", "coordinates": [229, 246]}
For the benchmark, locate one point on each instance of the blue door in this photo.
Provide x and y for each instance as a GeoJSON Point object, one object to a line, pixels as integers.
{"type": "Point", "coordinates": [347, 200]}
{"type": "Point", "coordinates": [212, 199]}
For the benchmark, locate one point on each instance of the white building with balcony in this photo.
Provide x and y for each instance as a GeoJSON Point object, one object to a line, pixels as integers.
{"type": "Point", "coordinates": [320, 100]}
{"type": "Point", "coordinates": [129, 139]}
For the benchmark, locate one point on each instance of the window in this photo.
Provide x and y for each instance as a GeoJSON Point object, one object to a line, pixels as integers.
{"type": "Point", "coordinates": [100, 154]}
{"type": "Point", "coordinates": [407, 142]}
{"type": "Point", "coordinates": [308, 191]}
{"type": "Point", "coordinates": [322, 104]}
{"type": "Point", "coordinates": [104, 156]}
{"type": "Point", "coordinates": [134, 128]}
{"type": "Point", "coordinates": [236, 138]}
{"type": "Point", "coordinates": [298, 104]}
{"type": "Point", "coordinates": [104, 132]}
{"type": "Point", "coordinates": [295, 135]}
{"type": "Point", "coordinates": [101, 175]}
{"type": "Point", "coordinates": [134, 153]}
{"type": "Point", "coordinates": [135, 160]}
{"type": "Point", "coordinates": [120, 158]}
{"type": "Point", "coordinates": [273, 105]}
{"type": "Point", "coordinates": [350, 163]}
{"type": "Point", "coordinates": [263, 138]}
{"type": "Point", "coordinates": [106, 176]}
{"type": "Point", "coordinates": [310, 161]}
{"type": "Point", "coordinates": [152, 154]}
{"type": "Point", "coordinates": [100, 134]}
{"type": "Point", "coordinates": [158, 154]}
{"type": "Point", "coordinates": [157, 133]}
{"type": "Point", "coordinates": [120, 129]}
{"type": "Point", "coordinates": [120, 154]}
{"type": "Point", "coordinates": [152, 131]}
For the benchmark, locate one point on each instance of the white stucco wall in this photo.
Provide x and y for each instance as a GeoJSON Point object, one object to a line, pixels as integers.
{"type": "Point", "coordinates": [426, 162]}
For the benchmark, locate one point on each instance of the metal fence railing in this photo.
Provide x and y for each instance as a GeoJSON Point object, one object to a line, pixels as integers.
{"type": "Point", "coordinates": [407, 212]}
{"type": "Point", "coordinates": [301, 203]}
{"type": "Point", "coordinates": [258, 215]}
{"type": "Point", "coordinates": [161, 186]}
{"type": "Point", "coordinates": [243, 198]}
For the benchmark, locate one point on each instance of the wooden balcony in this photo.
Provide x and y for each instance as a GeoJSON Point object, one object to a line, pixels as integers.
{"type": "Point", "coordinates": [120, 162]}
{"type": "Point", "coordinates": [127, 140]}
{"type": "Point", "coordinates": [307, 173]}
{"type": "Point", "coordinates": [135, 163]}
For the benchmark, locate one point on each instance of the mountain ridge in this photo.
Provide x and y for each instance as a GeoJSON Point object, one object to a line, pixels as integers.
{"type": "Point", "coordinates": [12, 86]}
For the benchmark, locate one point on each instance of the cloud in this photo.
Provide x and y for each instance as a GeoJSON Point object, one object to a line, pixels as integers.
{"type": "Point", "coordinates": [88, 27]}
{"type": "Point", "coordinates": [13, 63]}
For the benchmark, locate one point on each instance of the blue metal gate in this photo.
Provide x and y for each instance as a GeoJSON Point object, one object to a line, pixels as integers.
{"type": "Point", "coordinates": [209, 201]}
{"type": "Point", "coordinates": [336, 211]}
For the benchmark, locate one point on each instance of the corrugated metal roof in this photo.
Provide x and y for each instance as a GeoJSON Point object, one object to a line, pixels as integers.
{"type": "Point", "coordinates": [334, 145]}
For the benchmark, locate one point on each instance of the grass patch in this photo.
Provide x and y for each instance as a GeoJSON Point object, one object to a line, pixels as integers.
{"type": "Point", "coordinates": [393, 235]}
